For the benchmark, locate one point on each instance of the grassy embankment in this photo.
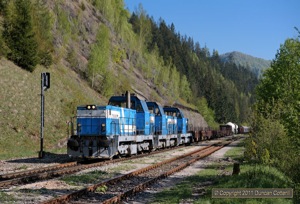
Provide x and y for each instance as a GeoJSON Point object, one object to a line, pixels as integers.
{"type": "Point", "coordinates": [20, 108]}
{"type": "Point", "coordinates": [192, 190]}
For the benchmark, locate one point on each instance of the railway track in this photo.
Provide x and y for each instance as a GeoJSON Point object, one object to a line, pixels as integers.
{"type": "Point", "coordinates": [27, 176]}
{"type": "Point", "coordinates": [116, 189]}
{"type": "Point", "coordinates": [33, 175]}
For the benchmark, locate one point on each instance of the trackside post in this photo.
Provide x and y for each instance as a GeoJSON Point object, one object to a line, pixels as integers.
{"type": "Point", "coordinates": [45, 84]}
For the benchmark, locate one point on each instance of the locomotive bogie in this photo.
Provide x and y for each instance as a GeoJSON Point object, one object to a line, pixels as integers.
{"type": "Point", "coordinates": [92, 147]}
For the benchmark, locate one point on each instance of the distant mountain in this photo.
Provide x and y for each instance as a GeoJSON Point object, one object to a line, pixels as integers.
{"type": "Point", "coordinates": [256, 65]}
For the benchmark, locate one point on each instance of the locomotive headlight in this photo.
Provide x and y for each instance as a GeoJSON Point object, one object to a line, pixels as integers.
{"type": "Point", "coordinates": [103, 127]}
{"type": "Point", "coordinates": [91, 107]}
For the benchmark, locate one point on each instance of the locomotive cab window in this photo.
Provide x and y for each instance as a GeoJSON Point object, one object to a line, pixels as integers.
{"type": "Point", "coordinates": [151, 109]}
{"type": "Point", "coordinates": [157, 112]}
{"type": "Point", "coordinates": [132, 105]}
{"type": "Point", "coordinates": [178, 115]}
{"type": "Point", "coordinates": [139, 107]}
{"type": "Point", "coordinates": [118, 104]}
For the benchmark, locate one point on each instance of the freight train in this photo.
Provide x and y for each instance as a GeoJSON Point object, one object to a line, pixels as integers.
{"type": "Point", "coordinates": [130, 125]}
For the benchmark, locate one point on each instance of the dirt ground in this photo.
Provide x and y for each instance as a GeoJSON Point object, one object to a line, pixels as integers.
{"type": "Point", "coordinates": [44, 190]}
{"type": "Point", "coordinates": [149, 195]}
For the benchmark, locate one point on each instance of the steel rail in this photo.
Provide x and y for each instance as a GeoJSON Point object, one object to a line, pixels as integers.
{"type": "Point", "coordinates": [24, 177]}
{"type": "Point", "coordinates": [138, 188]}
{"type": "Point", "coordinates": [33, 171]}
{"type": "Point", "coordinates": [194, 154]}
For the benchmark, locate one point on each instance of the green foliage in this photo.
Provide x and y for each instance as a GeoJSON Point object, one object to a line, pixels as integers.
{"type": "Point", "coordinates": [227, 87]}
{"type": "Point", "coordinates": [101, 189]}
{"type": "Point", "coordinates": [266, 140]}
{"type": "Point", "coordinates": [253, 64]}
{"type": "Point", "coordinates": [254, 176]}
{"type": "Point", "coordinates": [20, 105]}
{"type": "Point", "coordinates": [19, 34]}
{"type": "Point", "coordinates": [3, 4]}
{"type": "Point", "coordinates": [251, 176]}
{"type": "Point", "coordinates": [185, 91]}
{"type": "Point", "coordinates": [27, 38]}
{"type": "Point", "coordinates": [123, 83]}
{"type": "Point", "coordinates": [281, 85]}
{"type": "Point", "coordinates": [42, 25]}
{"type": "Point", "coordinates": [63, 23]}
{"type": "Point", "coordinates": [143, 28]}
{"type": "Point", "coordinates": [72, 57]}
{"type": "Point", "coordinates": [206, 112]}
{"type": "Point", "coordinates": [278, 97]}
{"type": "Point", "coordinates": [98, 72]}
{"type": "Point", "coordinates": [118, 55]}
{"type": "Point", "coordinates": [4, 48]}
{"type": "Point", "coordinates": [115, 13]}
{"type": "Point", "coordinates": [7, 198]}
{"type": "Point", "coordinates": [174, 83]}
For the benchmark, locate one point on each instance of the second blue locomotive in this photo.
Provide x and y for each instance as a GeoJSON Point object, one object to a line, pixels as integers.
{"type": "Point", "coordinates": [127, 125]}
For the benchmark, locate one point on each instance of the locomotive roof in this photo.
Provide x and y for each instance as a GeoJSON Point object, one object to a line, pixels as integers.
{"type": "Point", "coordinates": [123, 97]}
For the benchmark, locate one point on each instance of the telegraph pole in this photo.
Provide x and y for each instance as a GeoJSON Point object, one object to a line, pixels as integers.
{"type": "Point", "coordinates": [45, 84]}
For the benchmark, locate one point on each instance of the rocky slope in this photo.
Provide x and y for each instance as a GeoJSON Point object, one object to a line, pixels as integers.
{"type": "Point", "coordinates": [19, 89]}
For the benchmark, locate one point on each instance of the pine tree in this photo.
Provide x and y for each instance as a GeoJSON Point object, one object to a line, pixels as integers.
{"type": "Point", "coordinates": [19, 36]}
{"type": "Point", "coordinates": [42, 24]}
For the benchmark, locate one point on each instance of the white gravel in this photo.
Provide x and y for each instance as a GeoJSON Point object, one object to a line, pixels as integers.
{"type": "Point", "coordinates": [149, 195]}
{"type": "Point", "coordinates": [44, 190]}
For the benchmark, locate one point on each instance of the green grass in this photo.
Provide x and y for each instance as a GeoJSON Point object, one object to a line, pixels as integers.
{"type": "Point", "coordinates": [251, 176]}
{"type": "Point", "coordinates": [236, 153]}
{"type": "Point", "coordinates": [20, 108]}
{"type": "Point", "coordinates": [122, 167]}
{"type": "Point", "coordinates": [184, 190]}
{"type": "Point", "coordinates": [88, 178]}
{"type": "Point", "coordinates": [23, 167]}
{"type": "Point", "coordinates": [4, 197]}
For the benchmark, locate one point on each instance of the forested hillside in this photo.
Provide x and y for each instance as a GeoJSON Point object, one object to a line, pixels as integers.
{"type": "Point", "coordinates": [225, 87]}
{"type": "Point", "coordinates": [115, 51]}
{"type": "Point", "coordinates": [254, 64]}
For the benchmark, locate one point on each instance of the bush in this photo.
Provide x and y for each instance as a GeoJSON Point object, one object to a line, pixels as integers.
{"type": "Point", "coordinates": [266, 141]}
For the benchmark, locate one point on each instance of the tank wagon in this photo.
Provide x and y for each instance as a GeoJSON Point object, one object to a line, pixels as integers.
{"type": "Point", "coordinates": [127, 125]}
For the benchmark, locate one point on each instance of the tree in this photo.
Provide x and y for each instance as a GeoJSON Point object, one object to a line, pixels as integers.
{"type": "Point", "coordinates": [19, 36]}
{"type": "Point", "coordinates": [277, 112]}
{"type": "Point", "coordinates": [281, 85]}
{"type": "Point", "coordinates": [3, 4]}
{"type": "Point", "coordinates": [98, 71]}
{"type": "Point", "coordinates": [185, 91]}
{"type": "Point", "coordinates": [42, 25]}
{"type": "Point", "coordinates": [144, 28]}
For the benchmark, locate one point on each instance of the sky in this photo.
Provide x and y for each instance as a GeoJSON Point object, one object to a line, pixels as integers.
{"type": "Point", "coordinates": [254, 27]}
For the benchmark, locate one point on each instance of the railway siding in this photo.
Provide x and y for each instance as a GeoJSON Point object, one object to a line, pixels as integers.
{"type": "Point", "coordinates": [45, 190]}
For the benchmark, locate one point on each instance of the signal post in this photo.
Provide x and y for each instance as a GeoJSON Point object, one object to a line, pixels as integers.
{"type": "Point", "coordinates": [45, 85]}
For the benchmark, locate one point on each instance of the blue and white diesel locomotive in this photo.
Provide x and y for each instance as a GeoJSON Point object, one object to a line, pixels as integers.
{"type": "Point", "coordinates": [127, 125]}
